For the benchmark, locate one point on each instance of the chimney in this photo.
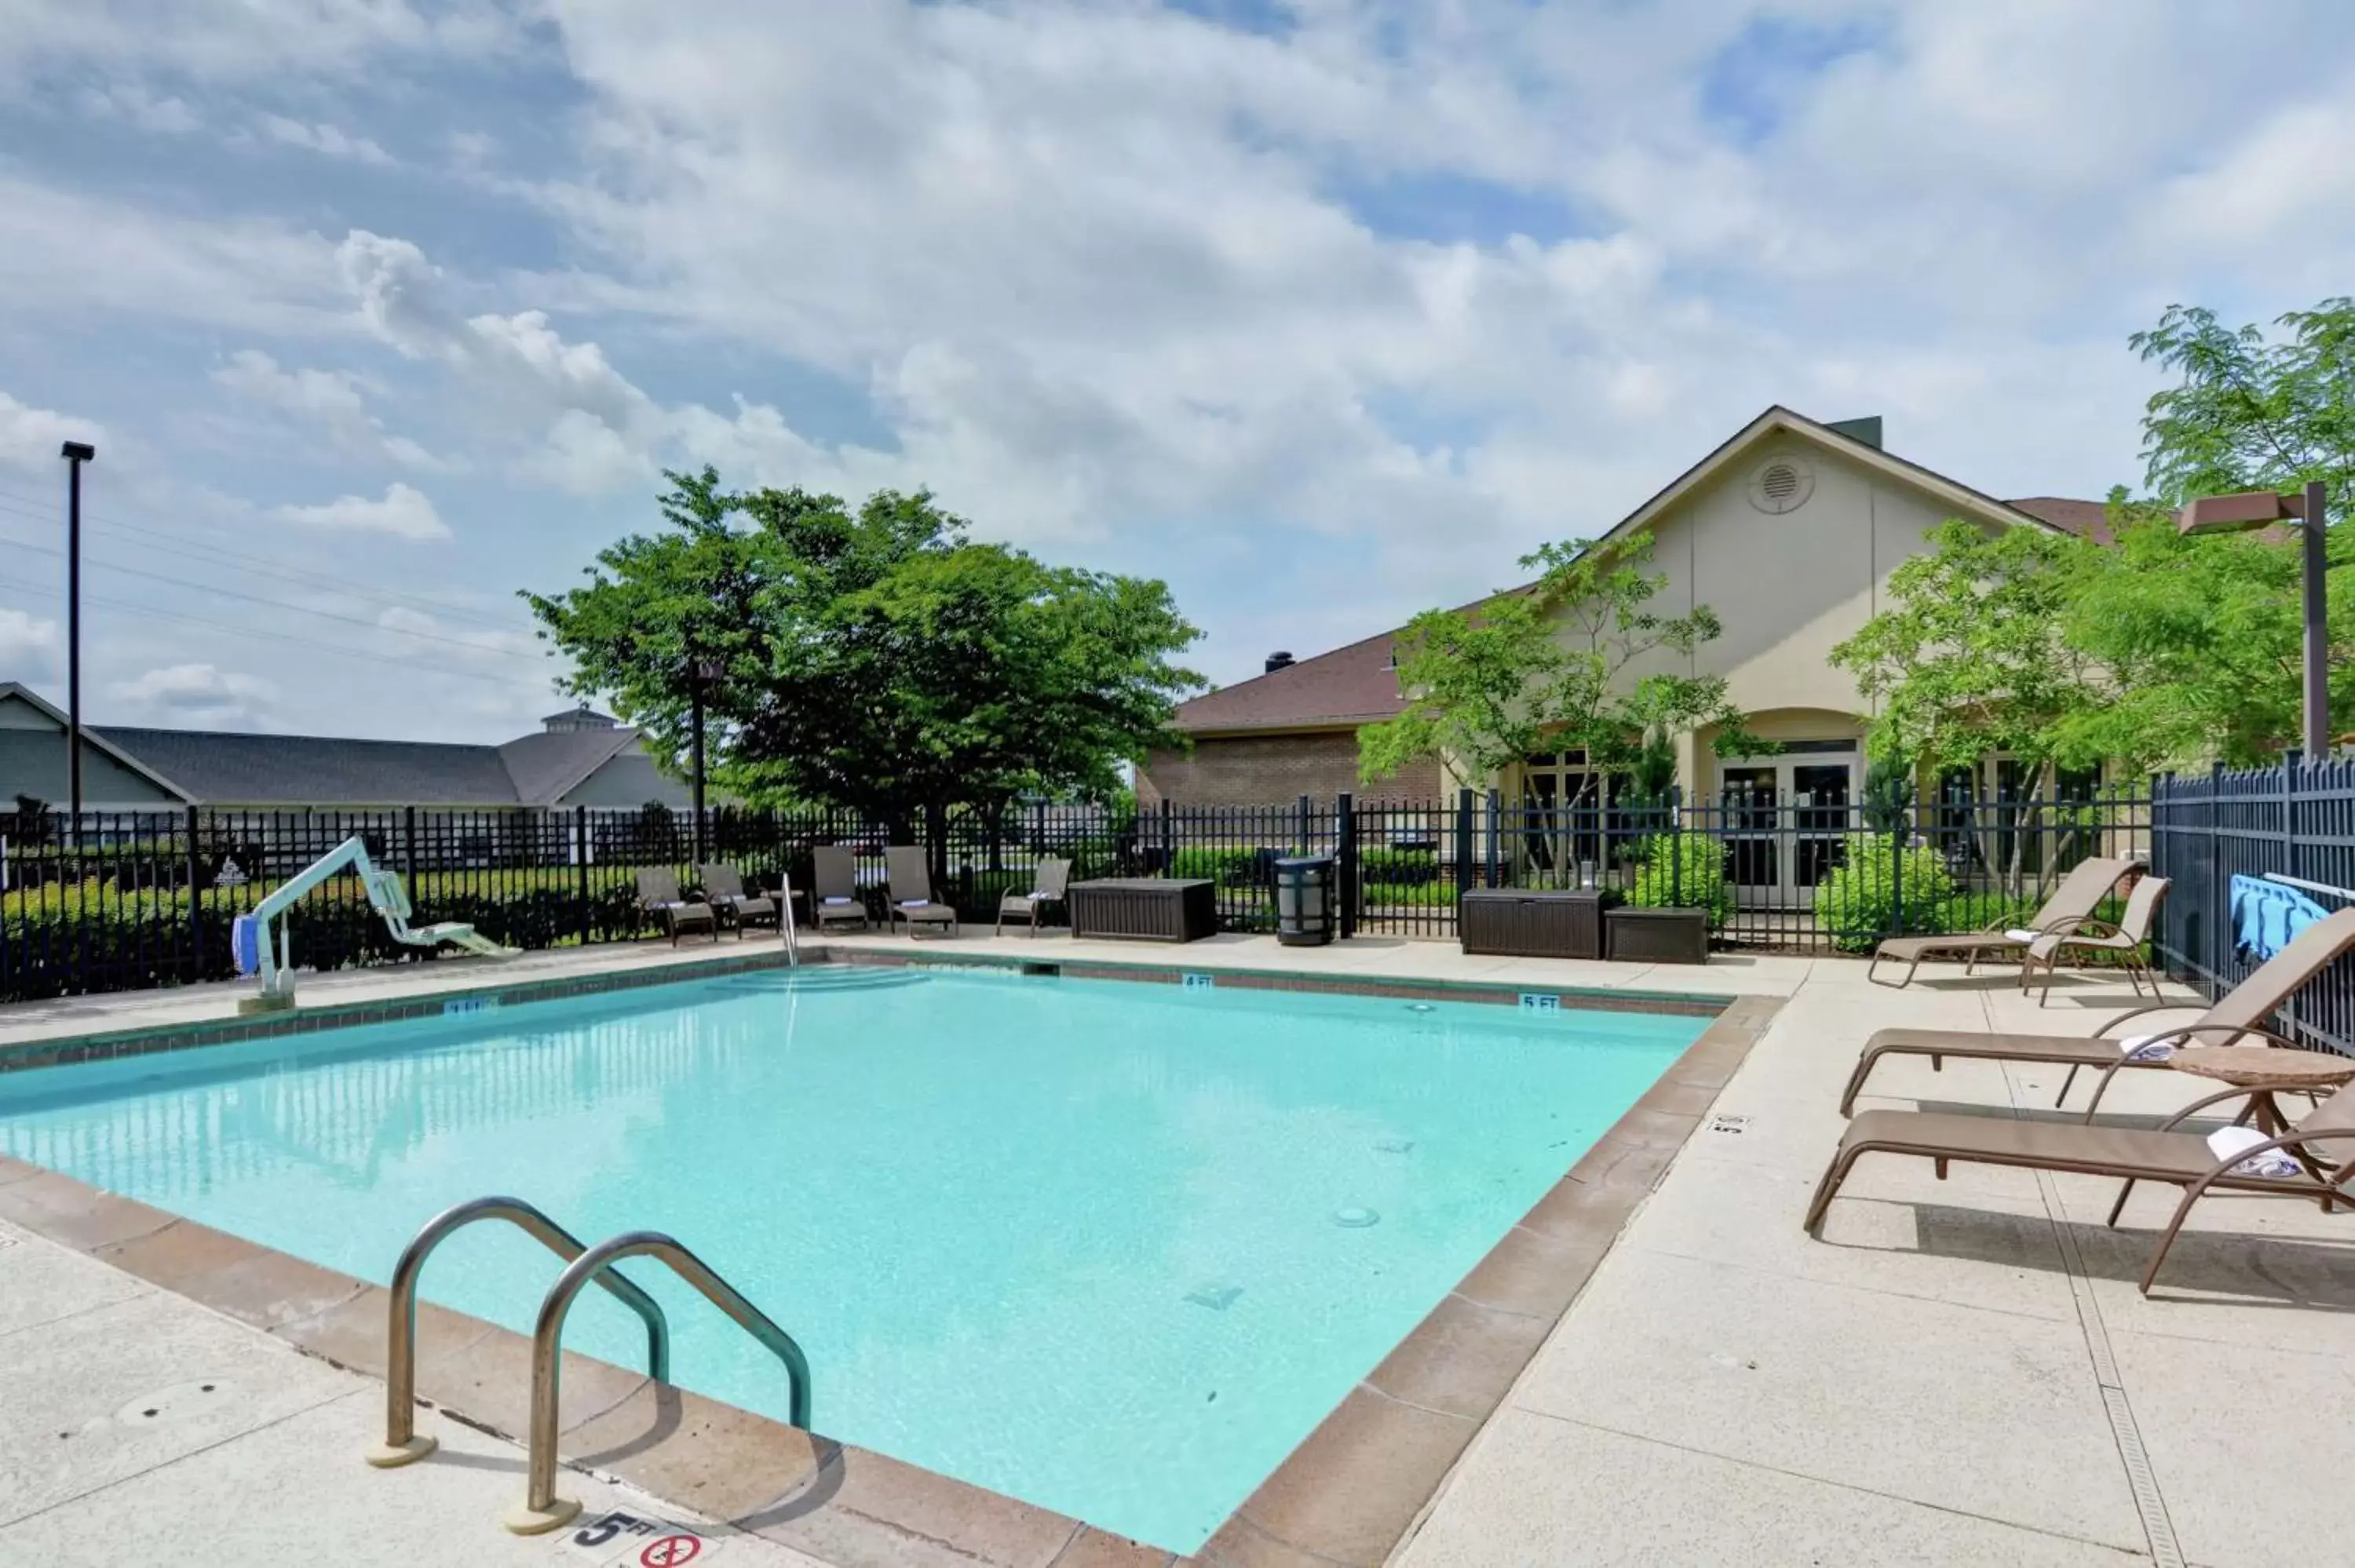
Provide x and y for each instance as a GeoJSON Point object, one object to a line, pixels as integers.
{"type": "Point", "coordinates": [1279, 660]}
{"type": "Point", "coordinates": [1867, 430]}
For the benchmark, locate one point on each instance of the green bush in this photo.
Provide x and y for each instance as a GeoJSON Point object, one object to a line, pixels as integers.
{"type": "Point", "coordinates": [1878, 890]}
{"type": "Point", "coordinates": [1227, 867]}
{"type": "Point", "coordinates": [1683, 871]}
{"type": "Point", "coordinates": [1398, 866]}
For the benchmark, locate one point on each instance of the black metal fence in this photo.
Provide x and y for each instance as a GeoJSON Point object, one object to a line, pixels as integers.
{"type": "Point", "coordinates": [2293, 820]}
{"type": "Point", "coordinates": [132, 900]}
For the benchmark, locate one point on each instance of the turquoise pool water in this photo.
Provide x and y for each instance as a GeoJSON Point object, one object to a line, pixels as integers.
{"type": "Point", "coordinates": [1101, 1246]}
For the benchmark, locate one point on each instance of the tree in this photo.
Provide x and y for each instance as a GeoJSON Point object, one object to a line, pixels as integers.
{"type": "Point", "coordinates": [877, 660]}
{"type": "Point", "coordinates": [1552, 665]}
{"type": "Point", "coordinates": [2247, 414]}
{"type": "Point", "coordinates": [1970, 658]}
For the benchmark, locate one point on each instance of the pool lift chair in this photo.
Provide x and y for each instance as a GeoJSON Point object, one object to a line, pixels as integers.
{"type": "Point", "coordinates": [256, 953]}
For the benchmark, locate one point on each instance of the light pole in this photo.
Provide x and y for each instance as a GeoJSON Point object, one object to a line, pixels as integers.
{"type": "Point", "coordinates": [2265, 509]}
{"type": "Point", "coordinates": [75, 453]}
{"type": "Point", "coordinates": [705, 670]}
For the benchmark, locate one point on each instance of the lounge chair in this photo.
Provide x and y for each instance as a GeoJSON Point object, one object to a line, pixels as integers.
{"type": "Point", "coordinates": [723, 885]}
{"type": "Point", "coordinates": [2070, 903]}
{"type": "Point", "coordinates": [659, 895]}
{"type": "Point", "coordinates": [2184, 1159]}
{"type": "Point", "coordinates": [2239, 1015]}
{"type": "Point", "coordinates": [911, 890]}
{"type": "Point", "coordinates": [833, 889]}
{"type": "Point", "coordinates": [1049, 886]}
{"type": "Point", "coordinates": [2122, 939]}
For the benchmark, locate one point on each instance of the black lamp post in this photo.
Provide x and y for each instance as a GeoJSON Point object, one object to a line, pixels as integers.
{"type": "Point", "coordinates": [705, 672]}
{"type": "Point", "coordinates": [75, 453]}
{"type": "Point", "coordinates": [2266, 509]}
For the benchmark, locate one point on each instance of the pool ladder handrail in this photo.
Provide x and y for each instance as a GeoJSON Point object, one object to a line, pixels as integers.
{"type": "Point", "coordinates": [785, 920]}
{"type": "Point", "coordinates": [542, 1509]}
{"type": "Point", "coordinates": [402, 1443]}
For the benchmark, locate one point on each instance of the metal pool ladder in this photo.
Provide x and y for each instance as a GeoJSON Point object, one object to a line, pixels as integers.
{"type": "Point", "coordinates": [402, 1443]}
{"type": "Point", "coordinates": [785, 920]}
{"type": "Point", "coordinates": [541, 1508]}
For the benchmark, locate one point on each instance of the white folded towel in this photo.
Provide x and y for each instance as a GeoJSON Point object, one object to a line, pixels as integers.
{"type": "Point", "coordinates": [835, 899]}
{"type": "Point", "coordinates": [1035, 897]}
{"type": "Point", "coordinates": [914, 903]}
{"type": "Point", "coordinates": [2147, 1047]}
{"type": "Point", "coordinates": [2022, 934]}
{"type": "Point", "coordinates": [2227, 1142]}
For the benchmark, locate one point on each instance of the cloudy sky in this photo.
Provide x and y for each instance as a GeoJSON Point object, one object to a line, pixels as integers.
{"type": "Point", "coordinates": [1323, 311]}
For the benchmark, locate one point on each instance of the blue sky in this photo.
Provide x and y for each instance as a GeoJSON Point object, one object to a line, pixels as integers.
{"type": "Point", "coordinates": [1325, 312]}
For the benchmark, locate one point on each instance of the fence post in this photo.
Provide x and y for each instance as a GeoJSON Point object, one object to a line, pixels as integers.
{"type": "Point", "coordinates": [1168, 838]}
{"type": "Point", "coordinates": [1896, 877]}
{"type": "Point", "coordinates": [1496, 819]}
{"type": "Point", "coordinates": [408, 848]}
{"type": "Point", "coordinates": [1464, 844]}
{"type": "Point", "coordinates": [580, 867]}
{"type": "Point", "coordinates": [196, 905]}
{"type": "Point", "coordinates": [1344, 817]}
{"type": "Point", "coordinates": [2290, 759]}
{"type": "Point", "coordinates": [1302, 830]}
{"type": "Point", "coordinates": [1677, 847]}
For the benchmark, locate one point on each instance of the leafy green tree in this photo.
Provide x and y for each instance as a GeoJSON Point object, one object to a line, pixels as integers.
{"type": "Point", "coordinates": [1554, 665]}
{"type": "Point", "coordinates": [2247, 413]}
{"type": "Point", "coordinates": [875, 659]}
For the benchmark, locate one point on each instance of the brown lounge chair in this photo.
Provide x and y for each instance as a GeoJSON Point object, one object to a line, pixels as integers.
{"type": "Point", "coordinates": [2124, 939]}
{"type": "Point", "coordinates": [1049, 884]}
{"type": "Point", "coordinates": [2070, 903]}
{"type": "Point", "coordinates": [910, 889]}
{"type": "Point", "coordinates": [2131, 1154]}
{"type": "Point", "coordinates": [2239, 1013]}
{"type": "Point", "coordinates": [723, 885]}
{"type": "Point", "coordinates": [833, 889]}
{"type": "Point", "coordinates": [659, 895]}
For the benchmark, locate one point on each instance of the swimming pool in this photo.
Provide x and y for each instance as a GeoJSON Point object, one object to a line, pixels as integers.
{"type": "Point", "coordinates": [1110, 1247]}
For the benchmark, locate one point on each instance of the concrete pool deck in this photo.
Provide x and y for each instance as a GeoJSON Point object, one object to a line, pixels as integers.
{"type": "Point", "coordinates": [1959, 1372]}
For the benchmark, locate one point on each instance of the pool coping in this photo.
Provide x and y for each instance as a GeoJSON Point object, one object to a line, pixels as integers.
{"type": "Point", "coordinates": [1349, 1493]}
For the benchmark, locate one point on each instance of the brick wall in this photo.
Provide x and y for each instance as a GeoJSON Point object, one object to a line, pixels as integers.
{"type": "Point", "coordinates": [1263, 769]}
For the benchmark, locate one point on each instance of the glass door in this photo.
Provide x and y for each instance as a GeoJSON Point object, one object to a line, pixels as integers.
{"type": "Point", "coordinates": [1784, 817]}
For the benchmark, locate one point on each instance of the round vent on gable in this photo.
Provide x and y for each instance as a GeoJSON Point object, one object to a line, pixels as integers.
{"type": "Point", "coordinates": [1781, 484]}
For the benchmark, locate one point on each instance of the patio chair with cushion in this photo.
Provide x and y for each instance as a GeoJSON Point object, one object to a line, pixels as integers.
{"type": "Point", "coordinates": [2070, 903]}
{"type": "Point", "coordinates": [833, 889]}
{"type": "Point", "coordinates": [723, 885]}
{"type": "Point", "coordinates": [1049, 884]}
{"type": "Point", "coordinates": [659, 895]}
{"type": "Point", "coordinates": [2239, 1014]}
{"type": "Point", "coordinates": [2295, 1161]}
{"type": "Point", "coordinates": [2123, 940]}
{"type": "Point", "coordinates": [911, 888]}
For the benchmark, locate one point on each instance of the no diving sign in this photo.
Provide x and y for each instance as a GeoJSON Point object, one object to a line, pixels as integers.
{"type": "Point", "coordinates": [618, 1539]}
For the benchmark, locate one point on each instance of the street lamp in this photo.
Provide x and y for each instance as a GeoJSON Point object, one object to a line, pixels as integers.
{"type": "Point", "coordinates": [2266, 509]}
{"type": "Point", "coordinates": [705, 672]}
{"type": "Point", "coordinates": [75, 453]}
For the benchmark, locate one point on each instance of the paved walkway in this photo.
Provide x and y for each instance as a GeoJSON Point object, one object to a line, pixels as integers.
{"type": "Point", "coordinates": [138, 1427]}
{"type": "Point", "coordinates": [1960, 1371]}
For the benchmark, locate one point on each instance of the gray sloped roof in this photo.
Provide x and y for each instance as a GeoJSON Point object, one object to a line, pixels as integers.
{"type": "Point", "coordinates": [218, 766]}
{"type": "Point", "coordinates": [544, 766]}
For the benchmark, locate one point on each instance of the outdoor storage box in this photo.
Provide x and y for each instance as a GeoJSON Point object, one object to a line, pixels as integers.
{"type": "Point", "coordinates": [1659, 936]}
{"type": "Point", "coordinates": [1525, 923]}
{"type": "Point", "coordinates": [1146, 908]}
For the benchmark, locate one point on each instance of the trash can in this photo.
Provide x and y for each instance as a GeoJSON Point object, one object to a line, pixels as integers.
{"type": "Point", "coordinates": [1305, 888]}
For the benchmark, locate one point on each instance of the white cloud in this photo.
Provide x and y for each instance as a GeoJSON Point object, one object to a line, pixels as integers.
{"type": "Point", "coordinates": [404, 512]}
{"type": "Point", "coordinates": [201, 695]}
{"type": "Point", "coordinates": [30, 438]}
{"type": "Point", "coordinates": [324, 139]}
{"type": "Point", "coordinates": [136, 105]}
{"type": "Point", "coordinates": [333, 401]}
{"type": "Point", "coordinates": [418, 634]}
{"type": "Point", "coordinates": [30, 650]}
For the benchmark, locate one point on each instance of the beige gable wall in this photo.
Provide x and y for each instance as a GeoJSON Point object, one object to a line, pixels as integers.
{"type": "Point", "coordinates": [1789, 587]}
